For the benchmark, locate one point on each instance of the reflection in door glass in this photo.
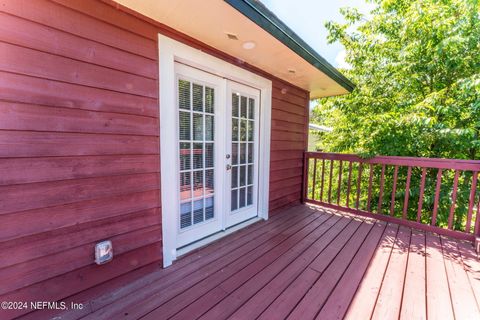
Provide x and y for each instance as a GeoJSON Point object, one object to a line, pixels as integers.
{"type": "Point", "coordinates": [234, 199]}
{"type": "Point", "coordinates": [209, 208]}
{"type": "Point", "coordinates": [185, 215]}
{"type": "Point", "coordinates": [234, 177]}
{"type": "Point", "coordinates": [249, 195]}
{"type": "Point", "coordinates": [234, 153]}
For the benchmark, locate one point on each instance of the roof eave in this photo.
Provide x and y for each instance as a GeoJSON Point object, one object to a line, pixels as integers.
{"type": "Point", "coordinates": [265, 19]}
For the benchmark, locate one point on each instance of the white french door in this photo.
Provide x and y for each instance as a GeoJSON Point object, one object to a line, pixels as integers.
{"type": "Point", "coordinates": [199, 105]}
{"type": "Point", "coordinates": [242, 114]}
{"type": "Point", "coordinates": [217, 152]}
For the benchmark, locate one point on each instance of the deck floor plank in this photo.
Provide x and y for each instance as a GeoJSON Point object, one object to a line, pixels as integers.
{"type": "Point", "coordinates": [414, 301]}
{"type": "Point", "coordinates": [306, 262]}
{"type": "Point", "coordinates": [439, 304]}
{"type": "Point", "coordinates": [390, 296]}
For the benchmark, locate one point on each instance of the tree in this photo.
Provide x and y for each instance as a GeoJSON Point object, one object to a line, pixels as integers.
{"type": "Point", "coordinates": [416, 66]}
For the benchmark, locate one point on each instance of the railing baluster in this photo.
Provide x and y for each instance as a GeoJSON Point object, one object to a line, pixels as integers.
{"type": "Point", "coordinates": [477, 220]}
{"type": "Point", "coordinates": [454, 200]}
{"type": "Point", "coordinates": [330, 183]}
{"type": "Point", "coordinates": [348, 185]}
{"type": "Point", "coordinates": [323, 176]}
{"type": "Point", "coordinates": [314, 177]}
{"type": "Point", "coordinates": [370, 181]}
{"type": "Point", "coordinates": [420, 197]}
{"type": "Point", "coordinates": [407, 193]}
{"type": "Point", "coordinates": [359, 181]}
{"type": "Point", "coordinates": [380, 196]}
{"type": "Point", "coordinates": [339, 189]}
{"type": "Point", "coordinates": [471, 201]}
{"type": "Point", "coordinates": [394, 191]}
{"type": "Point", "coordinates": [437, 197]}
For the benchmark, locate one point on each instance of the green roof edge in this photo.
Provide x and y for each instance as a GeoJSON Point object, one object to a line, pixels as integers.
{"type": "Point", "coordinates": [264, 18]}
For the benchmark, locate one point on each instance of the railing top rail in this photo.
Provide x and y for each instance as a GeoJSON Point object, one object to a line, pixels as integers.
{"type": "Point", "coordinates": [470, 165]}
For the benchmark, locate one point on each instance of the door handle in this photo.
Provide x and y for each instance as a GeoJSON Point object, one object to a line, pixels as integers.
{"type": "Point", "coordinates": [229, 167]}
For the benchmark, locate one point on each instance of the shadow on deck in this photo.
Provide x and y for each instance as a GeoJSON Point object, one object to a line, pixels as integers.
{"type": "Point", "coordinates": [306, 262]}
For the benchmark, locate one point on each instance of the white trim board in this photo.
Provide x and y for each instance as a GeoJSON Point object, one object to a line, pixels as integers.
{"type": "Point", "coordinates": [171, 51]}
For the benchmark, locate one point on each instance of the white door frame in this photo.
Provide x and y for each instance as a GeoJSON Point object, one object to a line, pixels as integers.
{"type": "Point", "coordinates": [170, 51]}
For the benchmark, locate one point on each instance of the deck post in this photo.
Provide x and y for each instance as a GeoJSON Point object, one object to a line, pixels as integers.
{"type": "Point", "coordinates": [305, 177]}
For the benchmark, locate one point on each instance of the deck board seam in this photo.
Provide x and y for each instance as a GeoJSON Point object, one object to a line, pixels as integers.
{"type": "Point", "coordinates": [359, 235]}
{"type": "Point", "coordinates": [405, 271]}
{"type": "Point", "coordinates": [426, 274]}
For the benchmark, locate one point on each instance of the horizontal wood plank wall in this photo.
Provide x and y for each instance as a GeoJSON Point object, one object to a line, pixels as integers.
{"type": "Point", "coordinates": [79, 150]}
{"type": "Point", "coordinates": [79, 144]}
{"type": "Point", "coordinates": [288, 142]}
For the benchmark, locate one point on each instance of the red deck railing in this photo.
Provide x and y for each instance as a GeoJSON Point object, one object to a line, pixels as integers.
{"type": "Point", "coordinates": [439, 195]}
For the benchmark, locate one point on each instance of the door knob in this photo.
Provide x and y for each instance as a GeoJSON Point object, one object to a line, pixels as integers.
{"type": "Point", "coordinates": [229, 167]}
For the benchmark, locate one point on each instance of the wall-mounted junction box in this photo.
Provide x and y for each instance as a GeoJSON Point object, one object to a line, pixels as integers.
{"type": "Point", "coordinates": [103, 252]}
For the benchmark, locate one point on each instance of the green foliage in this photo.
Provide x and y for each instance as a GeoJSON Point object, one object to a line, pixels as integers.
{"type": "Point", "coordinates": [416, 64]}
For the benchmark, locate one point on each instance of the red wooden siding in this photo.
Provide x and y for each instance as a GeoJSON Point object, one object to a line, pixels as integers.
{"type": "Point", "coordinates": [79, 150]}
{"type": "Point", "coordinates": [288, 142]}
{"type": "Point", "coordinates": [79, 144]}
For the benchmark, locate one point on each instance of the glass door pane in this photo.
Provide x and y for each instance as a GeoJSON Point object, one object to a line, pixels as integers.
{"type": "Point", "coordinates": [196, 134]}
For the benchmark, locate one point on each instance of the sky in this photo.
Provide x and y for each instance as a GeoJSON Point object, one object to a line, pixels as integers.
{"type": "Point", "coordinates": [307, 19]}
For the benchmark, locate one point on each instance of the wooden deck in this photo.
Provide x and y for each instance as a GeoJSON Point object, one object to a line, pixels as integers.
{"type": "Point", "coordinates": [307, 263]}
